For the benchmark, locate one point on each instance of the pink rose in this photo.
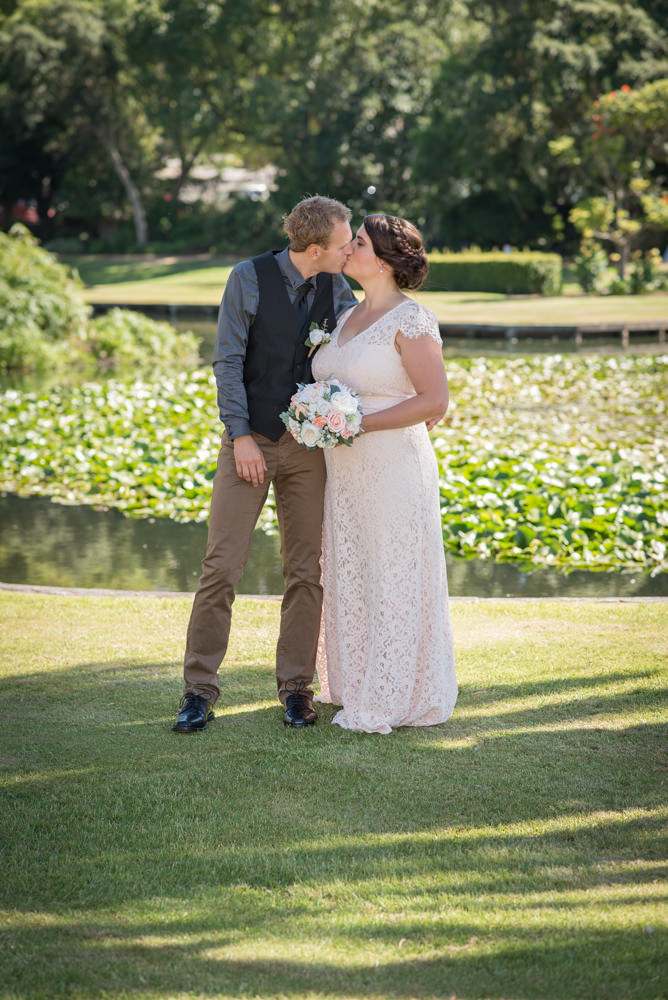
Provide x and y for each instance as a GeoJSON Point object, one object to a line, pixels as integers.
{"type": "Point", "coordinates": [336, 421]}
{"type": "Point", "coordinates": [300, 410]}
{"type": "Point", "coordinates": [320, 421]}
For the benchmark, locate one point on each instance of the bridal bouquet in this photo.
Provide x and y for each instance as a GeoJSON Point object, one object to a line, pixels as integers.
{"type": "Point", "coordinates": [323, 414]}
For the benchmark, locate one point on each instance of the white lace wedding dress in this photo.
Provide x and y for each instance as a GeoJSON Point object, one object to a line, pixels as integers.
{"type": "Point", "coordinates": [386, 645]}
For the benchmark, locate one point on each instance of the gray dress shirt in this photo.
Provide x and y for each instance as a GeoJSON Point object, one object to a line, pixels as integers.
{"type": "Point", "coordinates": [237, 312]}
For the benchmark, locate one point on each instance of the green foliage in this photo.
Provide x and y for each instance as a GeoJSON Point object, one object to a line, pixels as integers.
{"type": "Point", "coordinates": [518, 76]}
{"type": "Point", "coordinates": [244, 227]}
{"type": "Point", "coordinates": [591, 266]}
{"type": "Point", "coordinates": [644, 273]}
{"type": "Point", "coordinates": [552, 461]}
{"type": "Point", "coordinates": [126, 341]}
{"type": "Point", "coordinates": [41, 304]}
{"type": "Point", "coordinates": [44, 321]}
{"type": "Point", "coordinates": [514, 273]}
{"type": "Point", "coordinates": [71, 109]}
{"type": "Point", "coordinates": [557, 461]}
{"type": "Point", "coordinates": [618, 158]}
{"type": "Point", "coordinates": [442, 112]}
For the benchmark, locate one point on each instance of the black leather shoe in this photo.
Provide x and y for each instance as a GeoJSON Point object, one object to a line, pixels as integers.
{"type": "Point", "coordinates": [299, 711]}
{"type": "Point", "coordinates": [194, 713]}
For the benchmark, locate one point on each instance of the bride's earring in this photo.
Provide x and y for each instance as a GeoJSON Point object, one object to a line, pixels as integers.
{"type": "Point", "coordinates": [381, 268]}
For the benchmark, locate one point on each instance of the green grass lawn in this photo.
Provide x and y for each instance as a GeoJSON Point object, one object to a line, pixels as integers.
{"type": "Point", "coordinates": [200, 281]}
{"type": "Point", "coordinates": [513, 853]}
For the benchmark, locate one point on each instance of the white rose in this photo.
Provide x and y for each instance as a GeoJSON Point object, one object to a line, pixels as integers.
{"type": "Point", "coordinates": [316, 336]}
{"type": "Point", "coordinates": [310, 434]}
{"type": "Point", "coordinates": [310, 393]}
{"type": "Point", "coordinates": [346, 402]}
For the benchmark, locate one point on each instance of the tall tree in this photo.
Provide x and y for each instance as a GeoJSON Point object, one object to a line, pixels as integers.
{"type": "Point", "coordinates": [352, 84]}
{"type": "Point", "coordinates": [521, 76]}
{"type": "Point", "coordinates": [67, 92]}
{"type": "Point", "coordinates": [196, 63]}
{"type": "Point", "coordinates": [618, 158]}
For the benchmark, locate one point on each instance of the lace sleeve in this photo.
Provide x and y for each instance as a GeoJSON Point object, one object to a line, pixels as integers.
{"type": "Point", "coordinates": [419, 322]}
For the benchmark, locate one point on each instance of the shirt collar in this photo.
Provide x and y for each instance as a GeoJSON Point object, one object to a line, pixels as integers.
{"type": "Point", "coordinates": [289, 271]}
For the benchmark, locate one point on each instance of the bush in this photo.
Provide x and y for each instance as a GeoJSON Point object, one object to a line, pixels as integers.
{"type": "Point", "coordinates": [644, 273]}
{"type": "Point", "coordinates": [591, 266]}
{"type": "Point", "coordinates": [125, 341]}
{"type": "Point", "coordinates": [44, 321]}
{"type": "Point", "coordinates": [619, 286]}
{"type": "Point", "coordinates": [245, 227]}
{"type": "Point", "coordinates": [41, 303]}
{"type": "Point", "coordinates": [516, 273]}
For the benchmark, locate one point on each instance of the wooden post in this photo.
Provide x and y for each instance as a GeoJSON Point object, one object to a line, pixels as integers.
{"type": "Point", "coordinates": [662, 336]}
{"type": "Point", "coordinates": [625, 338]}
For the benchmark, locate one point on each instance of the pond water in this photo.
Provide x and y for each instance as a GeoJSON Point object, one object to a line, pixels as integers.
{"type": "Point", "coordinates": [49, 544]}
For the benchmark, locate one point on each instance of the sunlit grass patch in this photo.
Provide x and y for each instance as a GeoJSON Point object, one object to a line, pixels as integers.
{"type": "Point", "coordinates": [193, 281]}
{"type": "Point", "coordinates": [516, 851]}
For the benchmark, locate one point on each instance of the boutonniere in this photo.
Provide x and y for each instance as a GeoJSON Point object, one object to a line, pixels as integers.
{"type": "Point", "coordinates": [317, 335]}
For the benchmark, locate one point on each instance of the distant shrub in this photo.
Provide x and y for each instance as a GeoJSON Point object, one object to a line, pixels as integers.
{"type": "Point", "coordinates": [243, 227]}
{"type": "Point", "coordinates": [252, 225]}
{"type": "Point", "coordinates": [619, 286]}
{"type": "Point", "coordinates": [45, 324]}
{"type": "Point", "coordinates": [516, 273]}
{"type": "Point", "coordinates": [591, 266]}
{"type": "Point", "coordinates": [122, 340]}
{"type": "Point", "coordinates": [66, 244]}
{"type": "Point", "coordinates": [41, 303]}
{"type": "Point", "coordinates": [645, 274]}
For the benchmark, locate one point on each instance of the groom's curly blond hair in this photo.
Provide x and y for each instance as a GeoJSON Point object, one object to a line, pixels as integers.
{"type": "Point", "coordinates": [312, 221]}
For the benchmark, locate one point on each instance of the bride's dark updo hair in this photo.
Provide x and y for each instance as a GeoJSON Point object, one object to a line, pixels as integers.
{"type": "Point", "coordinates": [398, 243]}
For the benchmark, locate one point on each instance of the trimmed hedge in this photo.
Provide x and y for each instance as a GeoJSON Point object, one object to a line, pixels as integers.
{"type": "Point", "coordinates": [515, 273]}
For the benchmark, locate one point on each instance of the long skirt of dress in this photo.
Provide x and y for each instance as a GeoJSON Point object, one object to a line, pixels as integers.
{"type": "Point", "coordinates": [386, 649]}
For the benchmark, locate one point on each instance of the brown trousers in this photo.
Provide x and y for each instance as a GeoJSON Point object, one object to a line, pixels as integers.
{"type": "Point", "coordinates": [298, 476]}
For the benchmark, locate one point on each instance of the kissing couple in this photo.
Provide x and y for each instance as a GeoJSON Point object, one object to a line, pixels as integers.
{"type": "Point", "coordinates": [366, 594]}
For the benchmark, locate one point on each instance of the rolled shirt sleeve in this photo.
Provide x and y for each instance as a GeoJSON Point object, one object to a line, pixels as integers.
{"type": "Point", "coordinates": [235, 317]}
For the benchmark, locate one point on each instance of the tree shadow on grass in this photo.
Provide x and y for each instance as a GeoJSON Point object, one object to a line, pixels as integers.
{"type": "Point", "coordinates": [98, 781]}
{"type": "Point", "coordinates": [140, 697]}
{"type": "Point", "coordinates": [254, 836]}
{"type": "Point", "coordinates": [111, 273]}
{"type": "Point", "coordinates": [596, 964]}
{"type": "Point", "coordinates": [246, 683]}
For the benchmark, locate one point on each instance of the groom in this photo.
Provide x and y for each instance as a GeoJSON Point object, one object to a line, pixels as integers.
{"type": "Point", "coordinates": [260, 356]}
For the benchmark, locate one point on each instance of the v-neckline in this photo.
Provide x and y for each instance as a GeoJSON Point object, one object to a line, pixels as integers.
{"type": "Point", "coordinates": [369, 327]}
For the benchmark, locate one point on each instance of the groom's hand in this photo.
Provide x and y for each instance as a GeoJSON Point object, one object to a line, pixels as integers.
{"type": "Point", "coordinates": [250, 462]}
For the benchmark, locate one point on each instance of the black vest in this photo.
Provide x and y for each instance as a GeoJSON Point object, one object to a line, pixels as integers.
{"type": "Point", "coordinates": [276, 355]}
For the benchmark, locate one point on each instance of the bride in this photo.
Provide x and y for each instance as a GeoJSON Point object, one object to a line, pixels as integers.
{"type": "Point", "coordinates": [386, 646]}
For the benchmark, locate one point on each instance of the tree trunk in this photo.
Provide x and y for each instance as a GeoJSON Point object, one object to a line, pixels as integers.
{"type": "Point", "coordinates": [131, 191]}
{"type": "Point", "coordinates": [187, 163]}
